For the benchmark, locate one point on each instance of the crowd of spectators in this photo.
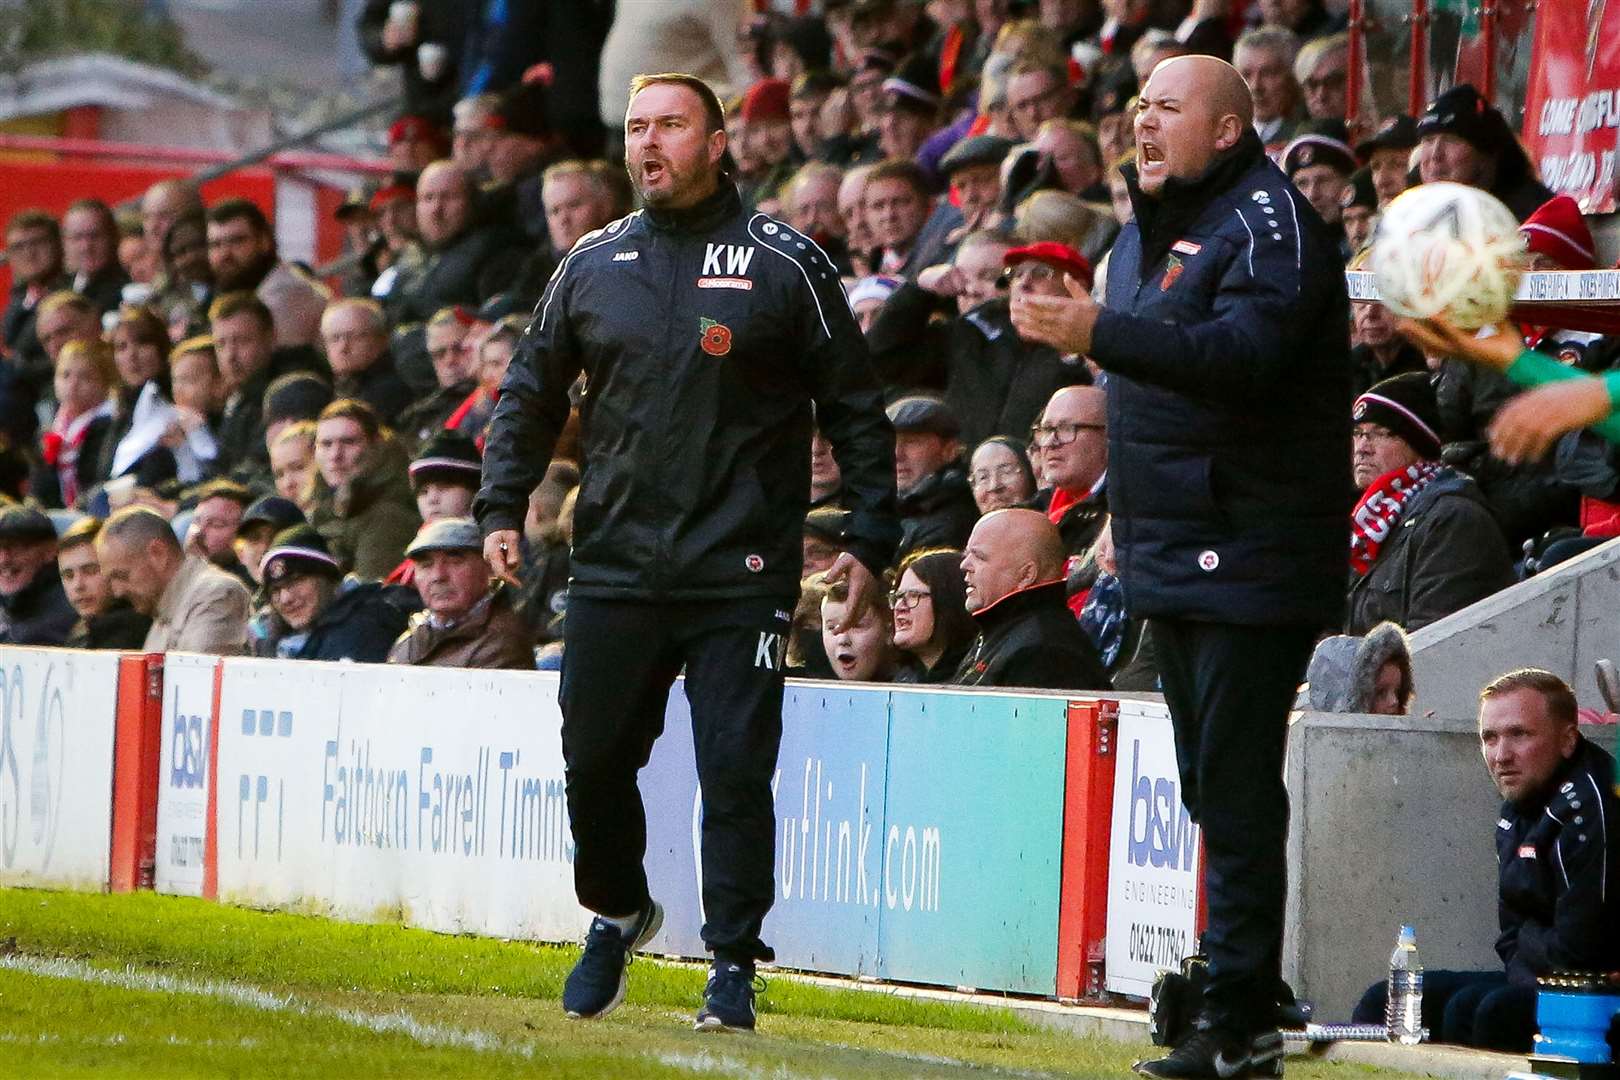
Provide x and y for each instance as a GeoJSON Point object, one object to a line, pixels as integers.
{"type": "Point", "coordinates": [205, 447]}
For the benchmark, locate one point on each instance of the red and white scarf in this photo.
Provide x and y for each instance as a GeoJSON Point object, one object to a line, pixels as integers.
{"type": "Point", "coordinates": [1380, 510]}
{"type": "Point", "coordinates": [60, 447]}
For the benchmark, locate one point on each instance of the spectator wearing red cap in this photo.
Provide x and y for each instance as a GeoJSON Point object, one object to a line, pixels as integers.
{"type": "Point", "coordinates": [393, 207]}
{"type": "Point", "coordinates": [415, 142]}
{"type": "Point", "coordinates": [765, 150]}
{"type": "Point", "coordinates": [523, 146]}
{"type": "Point", "coordinates": [993, 382]}
{"type": "Point", "coordinates": [1558, 239]}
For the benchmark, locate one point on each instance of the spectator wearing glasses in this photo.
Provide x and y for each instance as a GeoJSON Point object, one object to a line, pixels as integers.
{"type": "Point", "coordinates": [454, 368]}
{"type": "Point", "coordinates": [1036, 93]}
{"type": "Point", "coordinates": [1073, 436]}
{"type": "Point", "coordinates": [34, 250]}
{"type": "Point", "coordinates": [1423, 544]}
{"type": "Point", "coordinates": [1322, 70]}
{"type": "Point", "coordinates": [1000, 474]}
{"type": "Point", "coordinates": [932, 626]}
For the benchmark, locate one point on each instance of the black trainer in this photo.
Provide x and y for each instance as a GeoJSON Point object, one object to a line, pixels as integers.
{"type": "Point", "coordinates": [1208, 1054]}
{"type": "Point", "coordinates": [728, 998]}
{"type": "Point", "coordinates": [596, 985]}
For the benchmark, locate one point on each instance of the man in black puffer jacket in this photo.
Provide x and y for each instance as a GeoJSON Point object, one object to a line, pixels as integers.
{"type": "Point", "coordinates": [1226, 348]}
{"type": "Point", "coordinates": [1013, 567]}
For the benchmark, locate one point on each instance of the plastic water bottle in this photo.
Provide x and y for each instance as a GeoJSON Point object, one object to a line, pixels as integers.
{"type": "Point", "coordinates": [1403, 1011]}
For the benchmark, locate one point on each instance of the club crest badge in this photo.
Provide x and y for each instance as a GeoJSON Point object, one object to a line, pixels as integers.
{"type": "Point", "coordinates": [1171, 274]}
{"type": "Point", "coordinates": [716, 339]}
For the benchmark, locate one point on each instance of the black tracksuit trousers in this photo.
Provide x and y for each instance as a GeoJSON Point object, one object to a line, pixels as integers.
{"type": "Point", "coordinates": [1230, 689]}
{"type": "Point", "coordinates": [620, 660]}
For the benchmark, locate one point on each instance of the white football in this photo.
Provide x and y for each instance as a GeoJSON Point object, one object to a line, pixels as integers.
{"type": "Point", "coordinates": [1448, 249]}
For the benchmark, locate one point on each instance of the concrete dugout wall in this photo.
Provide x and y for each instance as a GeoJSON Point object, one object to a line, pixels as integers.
{"type": "Point", "coordinates": [1393, 822]}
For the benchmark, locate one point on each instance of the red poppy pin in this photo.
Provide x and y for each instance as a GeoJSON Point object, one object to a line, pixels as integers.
{"type": "Point", "coordinates": [1171, 273]}
{"type": "Point", "coordinates": [716, 339]}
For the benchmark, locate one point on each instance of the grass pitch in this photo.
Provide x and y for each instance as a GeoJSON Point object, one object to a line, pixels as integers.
{"type": "Point", "coordinates": [150, 986]}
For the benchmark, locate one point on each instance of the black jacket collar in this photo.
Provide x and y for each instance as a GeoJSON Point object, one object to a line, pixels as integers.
{"type": "Point", "coordinates": [700, 217]}
{"type": "Point", "coordinates": [1013, 607]}
{"type": "Point", "coordinates": [1163, 219]}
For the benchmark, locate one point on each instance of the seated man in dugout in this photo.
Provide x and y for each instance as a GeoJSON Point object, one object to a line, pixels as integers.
{"type": "Point", "coordinates": [1555, 858]}
{"type": "Point", "coordinates": [468, 622]}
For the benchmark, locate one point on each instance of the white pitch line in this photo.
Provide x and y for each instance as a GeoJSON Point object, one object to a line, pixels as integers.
{"type": "Point", "coordinates": [252, 997]}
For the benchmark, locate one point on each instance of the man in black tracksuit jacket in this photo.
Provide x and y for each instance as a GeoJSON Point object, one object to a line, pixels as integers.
{"type": "Point", "coordinates": [1555, 857]}
{"type": "Point", "coordinates": [1226, 344]}
{"type": "Point", "coordinates": [705, 333]}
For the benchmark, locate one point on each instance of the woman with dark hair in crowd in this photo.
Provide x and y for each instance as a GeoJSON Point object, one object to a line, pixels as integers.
{"type": "Point", "coordinates": [1001, 475]}
{"type": "Point", "coordinates": [931, 624]}
{"type": "Point", "coordinates": [143, 405]}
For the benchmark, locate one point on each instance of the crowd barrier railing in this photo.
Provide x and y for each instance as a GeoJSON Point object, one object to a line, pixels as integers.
{"type": "Point", "coordinates": [1019, 842]}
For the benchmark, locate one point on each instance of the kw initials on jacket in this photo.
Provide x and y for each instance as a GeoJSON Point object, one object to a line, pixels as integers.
{"type": "Point", "coordinates": [736, 258]}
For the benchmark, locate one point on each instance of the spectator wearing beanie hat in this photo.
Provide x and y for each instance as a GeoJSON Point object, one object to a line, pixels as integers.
{"type": "Point", "coordinates": [1423, 544]}
{"type": "Point", "coordinates": [1463, 138]}
{"type": "Point", "coordinates": [323, 615]}
{"type": "Point", "coordinates": [1558, 239]}
{"type": "Point", "coordinates": [910, 109]}
{"type": "Point", "coordinates": [34, 608]}
{"type": "Point", "coordinates": [1319, 162]}
{"type": "Point", "coordinates": [766, 150]}
{"type": "Point", "coordinates": [445, 476]}
{"type": "Point", "coordinates": [1388, 153]}
{"type": "Point", "coordinates": [867, 296]}
{"type": "Point", "coordinates": [1358, 209]}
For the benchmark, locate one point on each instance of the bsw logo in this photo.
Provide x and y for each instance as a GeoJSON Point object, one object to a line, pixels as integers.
{"type": "Point", "coordinates": [735, 258]}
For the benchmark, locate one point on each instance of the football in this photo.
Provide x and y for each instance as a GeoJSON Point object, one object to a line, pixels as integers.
{"type": "Point", "coordinates": [1448, 249]}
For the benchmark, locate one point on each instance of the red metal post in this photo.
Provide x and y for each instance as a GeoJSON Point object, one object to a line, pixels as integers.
{"type": "Point", "coordinates": [1418, 89]}
{"type": "Point", "coordinates": [1356, 62]}
{"type": "Point", "coordinates": [137, 753]}
{"type": "Point", "coordinates": [1088, 805]}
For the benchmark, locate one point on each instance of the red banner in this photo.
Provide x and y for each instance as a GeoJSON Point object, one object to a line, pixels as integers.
{"type": "Point", "coordinates": [1572, 109]}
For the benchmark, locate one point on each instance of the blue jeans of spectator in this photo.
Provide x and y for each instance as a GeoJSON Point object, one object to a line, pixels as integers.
{"type": "Point", "coordinates": [1467, 1008]}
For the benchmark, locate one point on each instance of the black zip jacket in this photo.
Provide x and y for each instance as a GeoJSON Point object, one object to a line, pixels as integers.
{"type": "Point", "coordinates": [1030, 638]}
{"type": "Point", "coordinates": [705, 335]}
{"type": "Point", "coordinates": [1556, 860]}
